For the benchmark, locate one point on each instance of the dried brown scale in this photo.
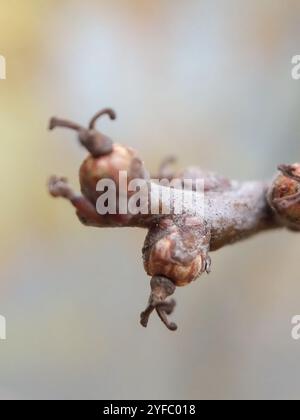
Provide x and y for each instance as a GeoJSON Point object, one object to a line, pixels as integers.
{"type": "Point", "coordinates": [176, 247]}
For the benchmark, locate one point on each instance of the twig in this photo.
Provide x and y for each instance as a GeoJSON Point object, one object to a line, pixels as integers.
{"type": "Point", "coordinates": [176, 247]}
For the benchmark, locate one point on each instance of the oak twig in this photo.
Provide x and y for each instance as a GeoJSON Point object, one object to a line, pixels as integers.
{"type": "Point", "coordinates": [177, 246]}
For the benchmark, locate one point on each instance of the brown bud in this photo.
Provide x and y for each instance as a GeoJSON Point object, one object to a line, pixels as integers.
{"type": "Point", "coordinates": [170, 256]}
{"type": "Point", "coordinates": [284, 196]}
{"type": "Point", "coordinates": [109, 166]}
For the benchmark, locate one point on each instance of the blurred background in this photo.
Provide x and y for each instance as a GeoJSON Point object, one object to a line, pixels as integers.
{"type": "Point", "coordinates": [207, 80]}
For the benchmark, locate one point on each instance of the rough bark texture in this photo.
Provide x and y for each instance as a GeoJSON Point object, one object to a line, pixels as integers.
{"type": "Point", "coordinates": [177, 246]}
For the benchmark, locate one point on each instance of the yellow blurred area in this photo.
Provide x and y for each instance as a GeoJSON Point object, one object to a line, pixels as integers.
{"type": "Point", "coordinates": [207, 80]}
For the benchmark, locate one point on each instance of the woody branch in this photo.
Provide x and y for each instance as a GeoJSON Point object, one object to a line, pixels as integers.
{"type": "Point", "coordinates": [177, 246]}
